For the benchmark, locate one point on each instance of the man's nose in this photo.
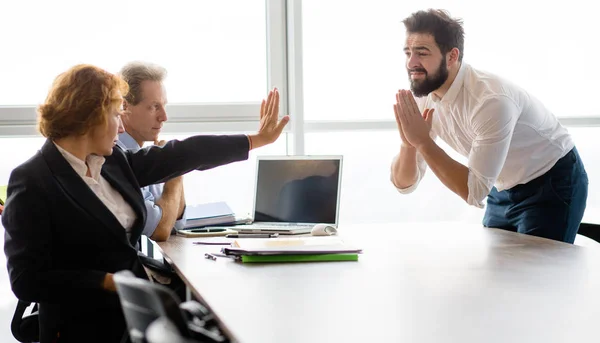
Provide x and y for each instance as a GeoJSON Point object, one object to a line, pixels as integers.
{"type": "Point", "coordinates": [162, 115]}
{"type": "Point", "coordinates": [413, 62]}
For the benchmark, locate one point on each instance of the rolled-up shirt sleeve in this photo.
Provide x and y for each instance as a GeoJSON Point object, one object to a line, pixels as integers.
{"type": "Point", "coordinates": [493, 124]}
{"type": "Point", "coordinates": [154, 212]}
{"type": "Point", "coordinates": [151, 194]}
{"type": "Point", "coordinates": [155, 215]}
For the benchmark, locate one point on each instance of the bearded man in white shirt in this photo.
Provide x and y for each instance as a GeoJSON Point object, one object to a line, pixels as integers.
{"type": "Point", "coordinates": [519, 155]}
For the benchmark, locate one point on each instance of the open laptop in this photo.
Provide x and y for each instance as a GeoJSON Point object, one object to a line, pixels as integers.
{"type": "Point", "coordinates": [293, 193]}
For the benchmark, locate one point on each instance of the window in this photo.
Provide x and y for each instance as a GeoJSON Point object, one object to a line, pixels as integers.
{"type": "Point", "coordinates": [353, 59]}
{"type": "Point", "coordinates": [353, 64]}
{"type": "Point", "coordinates": [368, 195]}
{"type": "Point", "coordinates": [17, 150]}
{"type": "Point", "coordinates": [214, 51]}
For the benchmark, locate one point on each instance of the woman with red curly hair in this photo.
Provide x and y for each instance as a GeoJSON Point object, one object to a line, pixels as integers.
{"type": "Point", "coordinates": [74, 211]}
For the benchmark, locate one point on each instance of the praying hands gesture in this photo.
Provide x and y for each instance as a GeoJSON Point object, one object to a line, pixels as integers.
{"type": "Point", "coordinates": [414, 128]}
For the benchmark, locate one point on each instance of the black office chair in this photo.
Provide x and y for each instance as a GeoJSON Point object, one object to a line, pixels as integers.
{"type": "Point", "coordinates": [590, 230]}
{"type": "Point", "coordinates": [143, 302]}
{"type": "Point", "coordinates": [25, 324]}
{"type": "Point", "coordinates": [163, 330]}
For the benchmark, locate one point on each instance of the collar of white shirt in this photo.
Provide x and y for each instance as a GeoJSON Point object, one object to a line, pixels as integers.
{"type": "Point", "coordinates": [94, 162]}
{"type": "Point", "coordinates": [452, 92]}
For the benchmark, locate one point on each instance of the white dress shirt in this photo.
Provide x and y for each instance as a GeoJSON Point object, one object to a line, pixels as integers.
{"type": "Point", "coordinates": [109, 196]}
{"type": "Point", "coordinates": [508, 136]}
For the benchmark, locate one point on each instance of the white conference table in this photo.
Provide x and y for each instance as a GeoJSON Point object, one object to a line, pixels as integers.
{"type": "Point", "coordinates": [443, 282]}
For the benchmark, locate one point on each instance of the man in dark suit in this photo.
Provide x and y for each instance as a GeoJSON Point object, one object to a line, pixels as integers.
{"type": "Point", "coordinates": [75, 211]}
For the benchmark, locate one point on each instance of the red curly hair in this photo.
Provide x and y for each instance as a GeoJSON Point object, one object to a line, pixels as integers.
{"type": "Point", "coordinates": [80, 99]}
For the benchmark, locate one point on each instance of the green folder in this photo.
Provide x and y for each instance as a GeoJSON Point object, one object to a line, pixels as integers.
{"type": "Point", "coordinates": [3, 194]}
{"type": "Point", "coordinates": [298, 258]}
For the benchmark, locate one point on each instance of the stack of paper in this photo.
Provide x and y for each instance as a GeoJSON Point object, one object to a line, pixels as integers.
{"type": "Point", "coordinates": [296, 249]}
{"type": "Point", "coordinates": [214, 213]}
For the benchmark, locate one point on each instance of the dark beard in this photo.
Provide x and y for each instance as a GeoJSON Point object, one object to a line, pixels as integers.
{"type": "Point", "coordinates": [429, 84]}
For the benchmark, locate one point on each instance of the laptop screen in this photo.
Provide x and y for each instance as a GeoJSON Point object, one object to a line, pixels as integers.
{"type": "Point", "coordinates": [298, 190]}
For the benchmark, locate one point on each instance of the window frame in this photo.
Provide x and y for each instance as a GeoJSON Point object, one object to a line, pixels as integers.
{"type": "Point", "coordinates": [284, 71]}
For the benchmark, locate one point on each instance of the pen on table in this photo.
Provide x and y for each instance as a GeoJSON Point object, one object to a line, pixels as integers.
{"type": "Point", "coordinates": [253, 235]}
{"type": "Point", "coordinates": [213, 256]}
{"type": "Point", "coordinates": [210, 256]}
{"type": "Point", "coordinates": [207, 230]}
{"type": "Point", "coordinates": [211, 243]}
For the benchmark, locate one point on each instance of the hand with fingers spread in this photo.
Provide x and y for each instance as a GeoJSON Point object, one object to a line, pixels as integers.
{"type": "Point", "coordinates": [414, 128]}
{"type": "Point", "coordinates": [270, 126]}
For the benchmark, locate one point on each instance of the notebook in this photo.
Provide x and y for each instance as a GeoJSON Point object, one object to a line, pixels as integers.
{"type": "Point", "coordinates": [213, 213]}
{"type": "Point", "coordinates": [300, 249]}
{"type": "Point", "coordinates": [298, 258]}
{"type": "Point", "coordinates": [293, 193]}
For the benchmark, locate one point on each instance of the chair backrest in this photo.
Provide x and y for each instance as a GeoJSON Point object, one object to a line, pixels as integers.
{"type": "Point", "coordinates": [143, 302]}
{"type": "Point", "coordinates": [590, 230]}
{"type": "Point", "coordinates": [24, 326]}
{"type": "Point", "coordinates": [163, 330]}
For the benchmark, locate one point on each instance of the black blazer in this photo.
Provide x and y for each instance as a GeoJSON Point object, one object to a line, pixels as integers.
{"type": "Point", "coordinates": [60, 239]}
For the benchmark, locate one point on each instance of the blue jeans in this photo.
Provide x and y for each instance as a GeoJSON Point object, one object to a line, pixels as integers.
{"type": "Point", "coordinates": [549, 206]}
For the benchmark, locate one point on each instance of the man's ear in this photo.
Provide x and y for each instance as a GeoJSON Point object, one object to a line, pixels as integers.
{"type": "Point", "coordinates": [125, 105]}
{"type": "Point", "coordinates": [453, 56]}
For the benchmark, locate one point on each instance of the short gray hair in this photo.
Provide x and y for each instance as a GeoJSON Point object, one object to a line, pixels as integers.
{"type": "Point", "coordinates": [134, 73]}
